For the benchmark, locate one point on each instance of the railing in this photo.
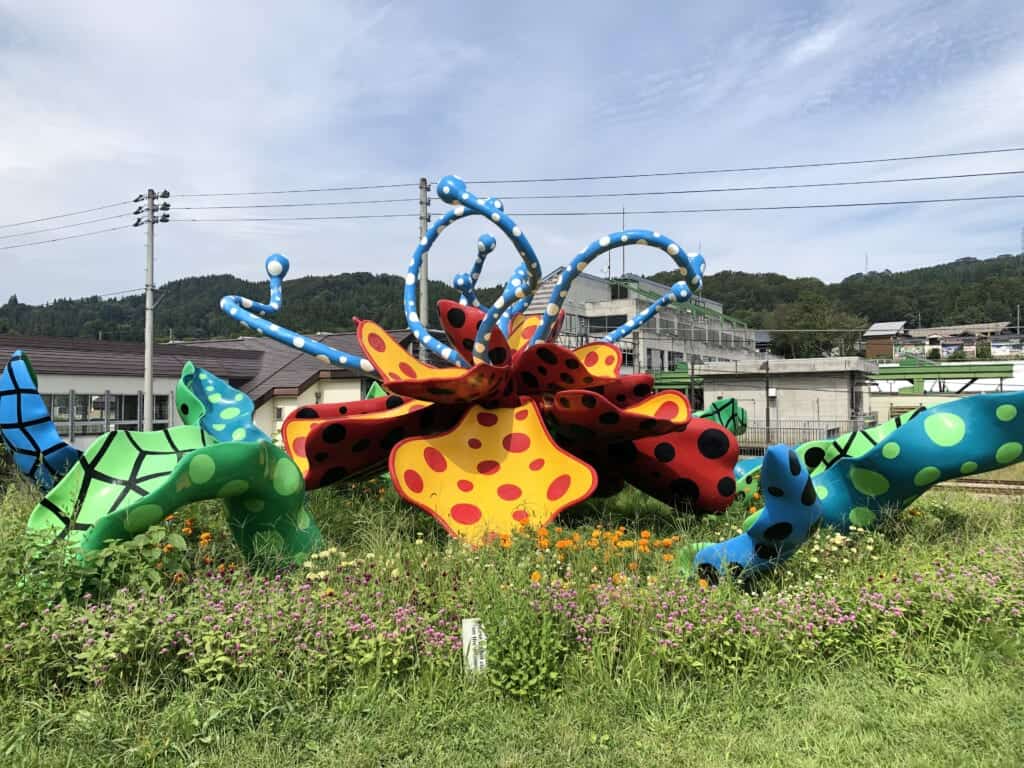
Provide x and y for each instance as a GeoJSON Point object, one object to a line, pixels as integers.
{"type": "Point", "coordinates": [794, 432]}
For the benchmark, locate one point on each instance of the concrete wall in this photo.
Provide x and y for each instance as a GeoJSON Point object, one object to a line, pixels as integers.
{"type": "Point", "coordinates": [797, 397]}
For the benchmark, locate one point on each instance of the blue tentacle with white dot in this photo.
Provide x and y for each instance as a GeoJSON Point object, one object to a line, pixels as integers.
{"type": "Point", "coordinates": [452, 190]}
{"type": "Point", "coordinates": [249, 313]}
{"type": "Point", "coordinates": [692, 270]}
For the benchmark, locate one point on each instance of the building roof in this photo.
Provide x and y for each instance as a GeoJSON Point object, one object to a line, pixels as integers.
{"type": "Point", "coordinates": [881, 330]}
{"type": "Point", "coordinates": [87, 357]}
{"type": "Point", "coordinates": [966, 329]}
{"type": "Point", "coordinates": [284, 370]}
{"type": "Point", "coordinates": [776, 367]}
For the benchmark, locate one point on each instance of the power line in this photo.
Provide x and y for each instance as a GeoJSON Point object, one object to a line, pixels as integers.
{"type": "Point", "coordinates": [758, 188]}
{"type": "Point", "coordinates": [921, 201]}
{"type": "Point", "coordinates": [64, 215]}
{"type": "Point", "coordinates": [307, 218]}
{"type": "Point", "coordinates": [66, 237]}
{"type": "Point", "coordinates": [300, 191]}
{"type": "Point", "coordinates": [790, 166]}
{"type": "Point", "coordinates": [63, 226]}
{"type": "Point", "coordinates": [305, 205]}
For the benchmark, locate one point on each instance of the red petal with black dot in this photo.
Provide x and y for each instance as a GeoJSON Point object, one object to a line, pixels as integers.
{"type": "Point", "coordinates": [404, 375]}
{"type": "Point", "coordinates": [627, 390]}
{"type": "Point", "coordinates": [548, 367]}
{"type": "Point", "coordinates": [347, 447]}
{"type": "Point", "coordinates": [690, 470]}
{"type": "Point", "coordinates": [583, 416]}
{"type": "Point", "coordinates": [300, 422]}
{"type": "Point", "coordinates": [461, 323]}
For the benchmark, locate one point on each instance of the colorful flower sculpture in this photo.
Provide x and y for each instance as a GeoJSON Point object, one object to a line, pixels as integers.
{"type": "Point", "coordinates": [513, 428]}
{"type": "Point", "coordinates": [126, 481]}
{"type": "Point", "coordinates": [854, 485]}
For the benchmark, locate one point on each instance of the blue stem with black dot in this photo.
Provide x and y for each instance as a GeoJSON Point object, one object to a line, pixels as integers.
{"type": "Point", "coordinates": [241, 309]}
{"type": "Point", "coordinates": [453, 191]}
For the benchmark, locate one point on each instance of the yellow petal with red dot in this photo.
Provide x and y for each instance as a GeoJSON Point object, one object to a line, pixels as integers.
{"type": "Point", "coordinates": [496, 470]}
{"type": "Point", "coordinates": [404, 375]}
{"type": "Point", "coordinates": [600, 359]}
{"type": "Point", "coordinates": [521, 330]}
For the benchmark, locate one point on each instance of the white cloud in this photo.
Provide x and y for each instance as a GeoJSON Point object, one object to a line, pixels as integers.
{"type": "Point", "coordinates": [102, 101]}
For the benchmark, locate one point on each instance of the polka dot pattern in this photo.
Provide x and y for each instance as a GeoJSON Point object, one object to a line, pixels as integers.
{"type": "Point", "coordinates": [516, 474]}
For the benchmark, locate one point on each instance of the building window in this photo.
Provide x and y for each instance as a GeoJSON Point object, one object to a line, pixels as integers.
{"type": "Point", "coordinates": [279, 413]}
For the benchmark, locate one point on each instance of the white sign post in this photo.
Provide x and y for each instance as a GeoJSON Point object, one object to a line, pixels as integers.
{"type": "Point", "coordinates": [474, 646]}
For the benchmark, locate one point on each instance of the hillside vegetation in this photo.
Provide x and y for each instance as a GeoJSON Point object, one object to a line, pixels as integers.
{"type": "Point", "coordinates": [961, 292]}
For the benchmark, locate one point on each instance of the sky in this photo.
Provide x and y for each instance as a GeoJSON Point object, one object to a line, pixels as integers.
{"type": "Point", "coordinates": [99, 101]}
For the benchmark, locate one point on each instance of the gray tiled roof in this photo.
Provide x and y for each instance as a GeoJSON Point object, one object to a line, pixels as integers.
{"type": "Point", "coordinates": [285, 370]}
{"type": "Point", "coordinates": [87, 357]}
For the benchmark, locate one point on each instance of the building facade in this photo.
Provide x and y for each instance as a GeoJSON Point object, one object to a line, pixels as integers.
{"type": "Point", "coordinates": [692, 332]}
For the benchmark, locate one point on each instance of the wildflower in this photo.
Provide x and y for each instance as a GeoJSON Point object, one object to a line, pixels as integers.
{"type": "Point", "coordinates": [633, 565]}
{"type": "Point", "coordinates": [168, 548]}
{"type": "Point", "coordinates": [535, 577]}
{"type": "Point", "coordinates": [645, 534]}
{"type": "Point", "coordinates": [668, 557]}
{"type": "Point", "coordinates": [205, 538]}
{"type": "Point", "coordinates": [624, 544]}
{"type": "Point", "coordinates": [178, 577]}
{"type": "Point", "coordinates": [703, 583]}
{"type": "Point", "coordinates": [169, 518]}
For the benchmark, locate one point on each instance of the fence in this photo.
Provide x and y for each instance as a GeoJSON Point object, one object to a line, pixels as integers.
{"type": "Point", "coordinates": [793, 432]}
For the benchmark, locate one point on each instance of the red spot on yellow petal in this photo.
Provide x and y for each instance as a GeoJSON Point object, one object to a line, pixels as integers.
{"type": "Point", "coordinates": [473, 443]}
{"type": "Point", "coordinates": [667, 411]}
{"type": "Point", "coordinates": [536, 464]}
{"type": "Point", "coordinates": [407, 369]}
{"type": "Point", "coordinates": [509, 492]}
{"type": "Point", "coordinates": [299, 447]}
{"type": "Point", "coordinates": [516, 442]}
{"type": "Point", "coordinates": [435, 460]}
{"type": "Point", "coordinates": [465, 485]}
{"type": "Point", "coordinates": [488, 467]}
{"type": "Point", "coordinates": [591, 359]}
{"type": "Point", "coordinates": [376, 342]}
{"type": "Point", "coordinates": [465, 514]}
{"type": "Point", "coordinates": [486, 419]}
{"type": "Point", "coordinates": [520, 515]}
{"type": "Point", "coordinates": [413, 480]}
{"type": "Point", "coordinates": [558, 487]}
{"type": "Point", "coordinates": [520, 415]}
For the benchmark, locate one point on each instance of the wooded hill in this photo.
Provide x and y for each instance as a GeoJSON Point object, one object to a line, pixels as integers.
{"type": "Point", "coordinates": [964, 291]}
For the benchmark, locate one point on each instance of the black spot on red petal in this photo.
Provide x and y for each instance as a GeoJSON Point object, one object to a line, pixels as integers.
{"type": "Point", "coordinates": [306, 413]}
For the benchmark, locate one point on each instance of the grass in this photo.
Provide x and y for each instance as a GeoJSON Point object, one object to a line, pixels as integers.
{"type": "Point", "coordinates": [944, 691]}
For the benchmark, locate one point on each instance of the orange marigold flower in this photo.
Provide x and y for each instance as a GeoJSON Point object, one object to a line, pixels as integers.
{"type": "Point", "coordinates": [178, 577]}
{"type": "Point", "coordinates": [702, 583]}
{"type": "Point", "coordinates": [506, 541]}
{"type": "Point", "coordinates": [170, 518]}
{"type": "Point", "coordinates": [535, 577]}
{"type": "Point", "coordinates": [668, 557]}
{"type": "Point", "coordinates": [618, 578]}
{"type": "Point", "coordinates": [186, 531]}
{"type": "Point", "coordinates": [563, 544]}
{"type": "Point", "coordinates": [645, 534]}
{"type": "Point", "coordinates": [633, 565]}
{"type": "Point", "coordinates": [221, 567]}
{"type": "Point", "coordinates": [752, 509]}
{"type": "Point", "coordinates": [168, 548]}
{"type": "Point", "coordinates": [624, 544]}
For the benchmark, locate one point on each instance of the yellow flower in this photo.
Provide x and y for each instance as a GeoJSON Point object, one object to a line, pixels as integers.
{"type": "Point", "coordinates": [645, 534]}
{"type": "Point", "coordinates": [535, 577]}
{"type": "Point", "coordinates": [205, 538]}
{"type": "Point", "coordinates": [633, 565]}
{"type": "Point", "coordinates": [624, 544]}
{"type": "Point", "coordinates": [168, 548]}
{"type": "Point", "coordinates": [668, 557]}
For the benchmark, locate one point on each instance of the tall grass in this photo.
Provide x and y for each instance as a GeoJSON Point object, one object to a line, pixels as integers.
{"type": "Point", "coordinates": [900, 646]}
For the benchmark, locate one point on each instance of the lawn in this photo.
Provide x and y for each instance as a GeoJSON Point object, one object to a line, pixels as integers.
{"type": "Point", "coordinates": [896, 647]}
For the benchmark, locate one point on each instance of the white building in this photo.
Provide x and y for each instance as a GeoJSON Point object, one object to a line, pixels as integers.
{"type": "Point", "coordinates": [693, 331]}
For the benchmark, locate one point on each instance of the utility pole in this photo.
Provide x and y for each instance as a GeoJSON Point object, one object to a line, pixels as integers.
{"type": "Point", "coordinates": [424, 288]}
{"type": "Point", "coordinates": [622, 250]}
{"type": "Point", "coordinates": [152, 218]}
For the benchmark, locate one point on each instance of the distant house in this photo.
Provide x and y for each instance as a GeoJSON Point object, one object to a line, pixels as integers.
{"type": "Point", "coordinates": [894, 341]}
{"type": "Point", "coordinates": [92, 387]}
